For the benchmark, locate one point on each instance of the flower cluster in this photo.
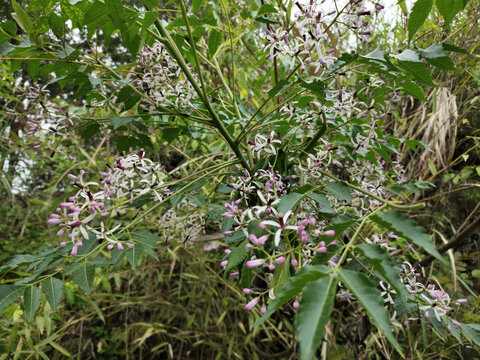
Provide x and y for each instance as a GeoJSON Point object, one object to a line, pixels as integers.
{"type": "Point", "coordinates": [272, 238]}
{"type": "Point", "coordinates": [132, 176]}
{"type": "Point", "coordinates": [185, 222]}
{"type": "Point", "coordinates": [47, 123]}
{"type": "Point", "coordinates": [431, 301]}
{"type": "Point", "coordinates": [162, 79]}
{"type": "Point", "coordinates": [307, 40]}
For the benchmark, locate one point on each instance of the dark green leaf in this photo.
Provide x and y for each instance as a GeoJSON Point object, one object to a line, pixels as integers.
{"type": "Point", "coordinates": [56, 24]}
{"type": "Point", "coordinates": [317, 86]}
{"type": "Point", "coordinates": [293, 287]}
{"type": "Point", "coordinates": [322, 200]}
{"type": "Point", "coordinates": [146, 238]}
{"type": "Point", "coordinates": [410, 61]}
{"type": "Point", "coordinates": [383, 263]}
{"type": "Point", "coordinates": [266, 20]}
{"type": "Point", "coordinates": [266, 9]}
{"type": "Point", "coordinates": [133, 254]}
{"type": "Point", "coordinates": [169, 134]}
{"type": "Point", "coordinates": [369, 296]}
{"type": "Point", "coordinates": [118, 121]}
{"type": "Point", "coordinates": [237, 255]}
{"type": "Point", "coordinates": [88, 244]}
{"type": "Point", "coordinates": [314, 313]}
{"type": "Point", "coordinates": [435, 55]}
{"type": "Point", "coordinates": [9, 27]}
{"type": "Point", "coordinates": [8, 294]}
{"type": "Point", "coordinates": [96, 15]}
{"type": "Point", "coordinates": [53, 289]}
{"type": "Point", "coordinates": [115, 12]}
{"type": "Point", "coordinates": [22, 18]}
{"type": "Point", "coordinates": [453, 48]}
{"type": "Point", "coordinates": [471, 333]}
{"type": "Point", "coordinates": [289, 202]}
{"type": "Point", "coordinates": [342, 61]}
{"type": "Point", "coordinates": [449, 8]}
{"type": "Point", "coordinates": [196, 5]}
{"type": "Point", "coordinates": [214, 40]}
{"type": "Point", "coordinates": [117, 255]}
{"type": "Point", "coordinates": [410, 88]}
{"type": "Point", "coordinates": [340, 191]}
{"type": "Point", "coordinates": [125, 142]}
{"type": "Point", "coordinates": [418, 15]}
{"type": "Point", "coordinates": [403, 226]}
{"type": "Point", "coordinates": [83, 276]}
{"type": "Point", "coordinates": [31, 301]}
{"type": "Point", "coordinates": [235, 237]}
{"type": "Point", "coordinates": [279, 88]}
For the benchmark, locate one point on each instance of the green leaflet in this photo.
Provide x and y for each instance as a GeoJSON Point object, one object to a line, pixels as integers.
{"type": "Point", "coordinates": [237, 256]}
{"type": "Point", "coordinates": [449, 8]}
{"type": "Point", "coordinates": [214, 40]}
{"type": "Point", "coordinates": [83, 276]}
{"type": "Point", "coordinates": [435, 55]}
{"type": "Point", "coordinates": [383, 263]}
{"type": "Point", "coordinates": [53, 289]}
{"type": "Point", "coordinates": [411, 62]}
{"type": "Point", "coordinates": [8, 294]}
{"type": "Point", "coordinates": [369, 296]}
{"type": "Point", "coordinates": [133, 255]}
{"type": "Point", "coordinates": [403, 226]}
{"type": "Point", "coordinates": [31, 301]}
{"type": "Point", "coordinates": [146, 238]}
{"type": "Point", "coordinates": [289, 201]}
{"type": "Point", "coordinates": [470, 331]}
{"type": "Point", "coordinates": [22, 17]}
{"type": "Point", "coordinates": [294, 286]}
{"type": "Point", "coordinates": [340, 190]}
{"type": "Point", "coordinates": [418, 15]}
{"type": "Point", "coordinates": [313, 314]}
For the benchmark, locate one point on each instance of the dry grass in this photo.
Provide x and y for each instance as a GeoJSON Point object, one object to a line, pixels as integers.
{"type": "Point", "coordinates": [435, 124]}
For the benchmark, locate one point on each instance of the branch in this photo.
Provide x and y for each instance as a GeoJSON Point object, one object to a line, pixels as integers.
{"type": "Point", "coordinates": [452, 244]}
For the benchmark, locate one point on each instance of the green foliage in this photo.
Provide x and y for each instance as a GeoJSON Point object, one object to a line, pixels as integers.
{"type": "Point", "coordinates": [383, 263]}
{"type": "Point", "coordinates": [314, 313]}
{"type": "Point", "coordinates": [403, 226]}
{"type": "Point", "coordinates": [53, 289]}
{"type": "Point", "coordinates": [418, 15]}
{"type": "Point", "coordinates": [293, 287]}
{"type": "Point", "coordinates": [369, 296]}
{"type": "Point", "coordinates": [449, 8]}
{"type": "Point", "coordinates": [31, 301]}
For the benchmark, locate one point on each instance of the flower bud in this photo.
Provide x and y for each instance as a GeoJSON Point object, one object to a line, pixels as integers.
{"type": "Point", "coordinates": [251, 304]}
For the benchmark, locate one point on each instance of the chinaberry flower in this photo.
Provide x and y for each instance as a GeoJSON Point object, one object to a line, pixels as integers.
{"type": "Point", "coordinates": [264, 144]}
{"type": "Point", "coordinates": [281, 224]}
